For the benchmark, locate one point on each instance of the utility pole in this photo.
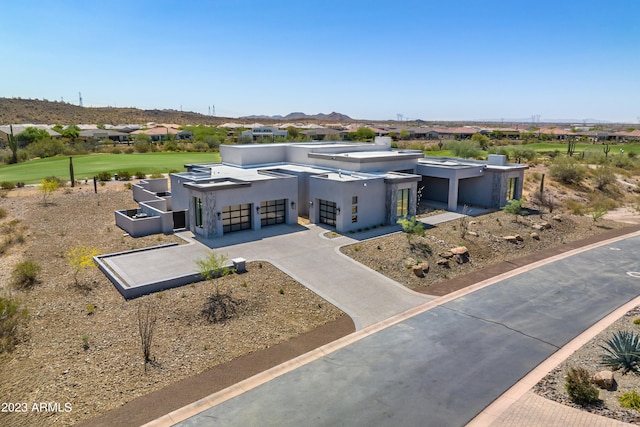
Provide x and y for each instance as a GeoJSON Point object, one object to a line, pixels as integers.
{"type": "Point", "coordinates": [80, 98]}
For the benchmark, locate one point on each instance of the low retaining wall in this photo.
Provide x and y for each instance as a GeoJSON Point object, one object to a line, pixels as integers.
{"type": "Point", "coordinates": [129, 292]}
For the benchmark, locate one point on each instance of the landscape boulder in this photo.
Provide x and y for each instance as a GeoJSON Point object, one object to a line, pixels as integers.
{"type": "Point", "coordinates": [461, 254]}
{"type": "Point", "coordinates": [535, 236]}
{"type": "Point", "coordinates": [513, 239]}
{"type": "Point", "coordinates": [472, 233]}
{"type": "Point", "coordinates": [443, 262]}
{"type": "Point", "coordinates": [420, 269]}
{"type": "Point", "coordinates": [410, 262]}
{"type": "Point", "coordinates": [557, 218]}
{"type": "Point", "coordinates": [446, 255]}
{"type": "Point", "coordinates": [604, 379]}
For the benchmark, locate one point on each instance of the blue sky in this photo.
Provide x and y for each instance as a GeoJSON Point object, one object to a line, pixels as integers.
{"type": "Point", "coordinates": [430, 60]}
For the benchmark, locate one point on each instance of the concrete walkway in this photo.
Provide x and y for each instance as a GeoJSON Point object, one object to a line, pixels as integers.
{"type": "Point", "coordinates": [444, 362]}
{"type": "Point", "coordinates": [304, 253]}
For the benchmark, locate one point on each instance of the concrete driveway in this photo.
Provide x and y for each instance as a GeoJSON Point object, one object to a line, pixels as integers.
{"type": "Point", "coordinates": [302, 252]}
{"type": "Point", "coordinates": [444, 365]}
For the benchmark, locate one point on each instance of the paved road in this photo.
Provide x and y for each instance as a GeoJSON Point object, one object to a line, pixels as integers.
{"type": "Point", "coordinates": [444, 365]}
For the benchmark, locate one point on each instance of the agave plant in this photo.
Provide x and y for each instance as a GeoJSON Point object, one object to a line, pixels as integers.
{"type": "Point", "coordinates": [623, 352]}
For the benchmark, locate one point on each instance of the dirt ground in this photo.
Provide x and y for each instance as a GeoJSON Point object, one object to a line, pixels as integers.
{"type": "Point", "coordinates": [94, 361]}
{"type": "Point", "coordinates": [92, 358]}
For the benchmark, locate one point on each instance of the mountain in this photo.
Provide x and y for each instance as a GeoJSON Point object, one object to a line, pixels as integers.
{"type": "Point", "coordinates": [298, 116]}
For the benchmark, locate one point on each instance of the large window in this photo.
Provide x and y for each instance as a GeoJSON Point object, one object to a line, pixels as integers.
{"type": "Point", "coordinates": [198, 205]}
{"type": "Point", "coordinates": [511, 189]}
{"type": "Point", "coordinates": [403, 202]}
{"type": "Point", "coordinates": [236, 218]}
{"type": "Point", "coordinates": [272, 212]}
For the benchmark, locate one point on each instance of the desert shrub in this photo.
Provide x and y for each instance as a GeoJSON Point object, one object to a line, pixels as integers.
{"type": "Point", "coordinates": [200, 146]}
{"type": "Point", "coordinates": [140, 175]}
{"type": "Point", "coordinates": [3, 213]}
{"type": "Point", "coordinates": [514, 207]}
{"type": "Point", "coordinates": [575, 207]}
{"type": "Point", "coordinates": [46, 148]}
{"type": "Point", "coordinates": [464, 149]}
{"type": "Point", "coordinates": [124, 175]}
{"type": "Point", "coordinates": [25, 274]}
{"type": "Point", "coordinates": [567, 170]}
{"type": "Point", "coordinates": [603, 176]}
{"type": "Point", "coordinates": [171, 146]}
{"type": "Point", "coordinates": [630, 400]}
{"type": "Point", "coordinates": [7, 185]}
{"type": "Point", "coordinates": [129, 150]}
{"type": "Point", "coordinates": [19, 184]}
{"type": "Point", "coordinates": [580, 388]}
{"type": "Point", "coordinates": [55, 179]}
{"type": "Point", "coordinates": [156, 175]}
{"type": "Point", "coordinates": [104, 176]}
{"type": "Point", "coordinates": [622, 352]}
{"type": "Point", "coordinates": [142, 146]}
{"type": "Point", "coordinates": [411, 227]}
{"type": "Point", "coordinates": [520, 153]}
{"type": "Point", "coordinates": [623, 162]}
{"type": "Point", "coordinates": [12, 316]}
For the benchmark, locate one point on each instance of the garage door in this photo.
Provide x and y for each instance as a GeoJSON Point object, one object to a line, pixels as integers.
{"type": "Point", "coordinates": [327, 213]}
{"type": "Point", "coordinates": [272, 212]}
{"type": "Point", "coordinates": [236, 218]}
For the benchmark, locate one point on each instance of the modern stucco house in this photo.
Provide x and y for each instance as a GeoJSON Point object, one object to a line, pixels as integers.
{"type": "Point", "coordinates": [346, 186]}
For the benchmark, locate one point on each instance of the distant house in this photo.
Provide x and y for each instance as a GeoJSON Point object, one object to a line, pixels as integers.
{"type": "Point", "coordinates": [5, 130]}
{"type": "Point", "coordinates": [265, 133]}
{"type": "Point", "coordinates": [323, 134]}
{"type": "Point", "coordinates": [102, 134]}
{"type": "Point", "coordinates": [162, 132]}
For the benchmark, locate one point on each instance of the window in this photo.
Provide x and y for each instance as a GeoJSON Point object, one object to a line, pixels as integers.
{"type": "Point", "coordinates": [354, 200]}
{"type": "Point", "coordinates": [198, 205]}
{"type": "Point", "coordinates": [403, 202]}
{"type": "Point", "coordinates": [354, 209]}
{"type": "Point", "coordinates": [354, 218]}
{"type": "Point", "coordinates": [327, 213]}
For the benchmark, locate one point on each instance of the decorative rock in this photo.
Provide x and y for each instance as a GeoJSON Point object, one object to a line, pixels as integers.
{"type": "Point", "coordinates": [463, 258]}
{"type": "Point", "coordinates": [460, 250]}
{"type": "Point", "coordinates": [546, 225]}
{"type": "Point", "coordinates": [537, 227]}
{"type": "Point", "coordinates": [557, 218]}
{"type": "Point", "coordinates": [446, 255]}
{"type": "Point", "coordinates": [409, 262]}
{"type": "Point", "coordinates": [443, 261]}
{"type": "Point", "coordinates": [472, 233]}
{"type": "Point", "coordinates": [513, 239]}
{"type": "Point", "coordinates": [604, 379]}
{"type": "Point", "coordinates": [417, 270]}
{"type": "Point", "coordinates": [535, 236]}
{"type": "Point", "coordinates": [425, 267]}
{"type": "Point", "coordinates": [473, 222]}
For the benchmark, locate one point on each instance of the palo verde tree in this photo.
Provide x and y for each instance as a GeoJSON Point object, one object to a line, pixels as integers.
{"type": "Point", "coordinates": [79, 259]}
{"type": "Point", "coordinates": [47, 187]}
{"type": "Point", "coordinates": [514, 207]}
{"type": "Point", "coordinates": [411, 227]}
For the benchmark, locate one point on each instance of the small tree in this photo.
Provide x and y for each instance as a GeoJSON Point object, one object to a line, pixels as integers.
{"type": "Point", "coordinates": [482, 140]}
{"type": "Point", "coordinates": [219, 306]}
{"type": "Point", "coordinates": [47, 187]}
{"type": "Point", "coordinates": [412, 227]}
{"type": "Point", "coordinates": [80, 258]}
{"type": "Point", "coordinates": [579, 386]}
{"type": "Point", "coordinates": [567, 170]}
{"type": "Point", "coordinates": [514, 207]}
{"type": "Point", "coordinates": [147, 317]}
{"type": "Point", "coordinates": [13, 145]}
{"type": "Point", "coordinates": [465, 149]}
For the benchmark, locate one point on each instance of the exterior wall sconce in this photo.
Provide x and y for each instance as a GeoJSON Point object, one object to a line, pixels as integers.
{"type": "Point", "coordinates": [218, 214]}
{"type": "Point", "coordinates": [257, 208]}
{"type": "Point", "coordinates": [338, 211]}
{"type": "Point", "coordinates": [310, 202]}
{"type": "Point", "coordinates": [293, 205]}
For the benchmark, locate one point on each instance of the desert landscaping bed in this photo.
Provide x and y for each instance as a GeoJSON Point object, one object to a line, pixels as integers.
{"type": "Point", "coordinates": [81, 344]}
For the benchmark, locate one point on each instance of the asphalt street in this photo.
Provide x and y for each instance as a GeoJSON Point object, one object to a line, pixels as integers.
{"type": "Point", "coordinates": [445, 365]}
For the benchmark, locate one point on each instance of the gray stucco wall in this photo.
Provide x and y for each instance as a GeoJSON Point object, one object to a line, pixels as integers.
{"type": "Point", "coordinates": [371, 206]}
{"type": "Point", "coordinates": [259, 191]}
{"type": "Point", "coordinates": [435, 189]}
{"type": "Point", "coordinates": [253, 154]}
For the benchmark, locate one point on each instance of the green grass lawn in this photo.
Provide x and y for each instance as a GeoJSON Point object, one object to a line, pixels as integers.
{"type": "Point", "coordinates": [86, 166]}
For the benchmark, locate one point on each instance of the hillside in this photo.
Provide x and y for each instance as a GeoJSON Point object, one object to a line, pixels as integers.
{"type": "Point", "coordinates": [16, 110]}
{"type": "Point", "coordinates": [13, 110]}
